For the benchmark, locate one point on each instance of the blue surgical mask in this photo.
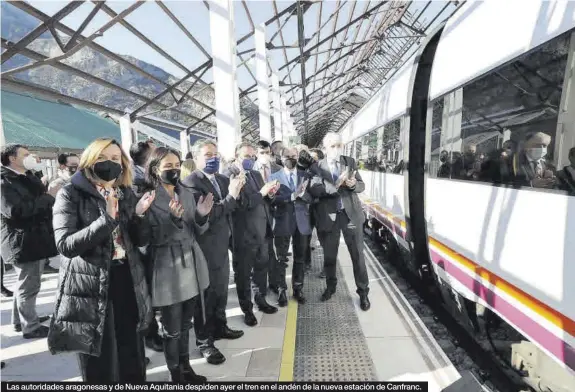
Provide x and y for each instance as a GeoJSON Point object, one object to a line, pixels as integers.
{"type": "Point", "coordinates": [212, 165]}
{"type": "Point", "coordinates": [248, 164]}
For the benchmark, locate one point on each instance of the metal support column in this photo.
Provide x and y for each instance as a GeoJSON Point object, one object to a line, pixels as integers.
{"type": "Point", "coordinates": [263, 82]}
{"type": "Point", "coordinates": [184, 143]}
{"type": "Point", "coordinates": [224, 75]}
{"type": "Point", "coordinates": [303, 58]}
{"type": "Point", "coordinates": [278, 134]}
{"type": "Point", "coordinates": [126, 133]}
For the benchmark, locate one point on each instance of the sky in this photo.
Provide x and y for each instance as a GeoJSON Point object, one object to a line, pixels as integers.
{"type": "Point", "coordinates": [152, 21]}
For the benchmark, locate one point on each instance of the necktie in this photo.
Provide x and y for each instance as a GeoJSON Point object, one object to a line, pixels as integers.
{"type": "Point", "coordinates": [291, 182]}
{"type": "Point", "coordinates": [538, 168]}
{"type": "Point", "coordinates": [335, 174]}
{"type": "Point", "coordinates": [265, 173]}
{"type": "Point", "coordinates": [216, 186]}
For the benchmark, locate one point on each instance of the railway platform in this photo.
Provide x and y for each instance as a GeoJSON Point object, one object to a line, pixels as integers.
{"type": "Point", "coordinates": [318, 341]}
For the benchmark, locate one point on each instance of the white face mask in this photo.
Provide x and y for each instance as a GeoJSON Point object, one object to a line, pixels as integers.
{"type": "Point", "coordinates": [31, 164]}
{"type": "Point", "coordinates": [264, 159]}
{"type": "Point", "coordinates": [536, 153]}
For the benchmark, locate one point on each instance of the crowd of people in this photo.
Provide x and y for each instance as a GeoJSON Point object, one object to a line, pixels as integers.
{"type": "Point", "coordinates": [144, 241]}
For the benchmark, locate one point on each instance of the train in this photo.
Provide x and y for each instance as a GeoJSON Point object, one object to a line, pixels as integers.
{"type": "Point", "coordinates": [466, 153]}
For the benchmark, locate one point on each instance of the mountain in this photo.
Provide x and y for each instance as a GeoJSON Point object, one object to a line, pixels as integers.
{"type": "Point", "coordinates": [16, 24]}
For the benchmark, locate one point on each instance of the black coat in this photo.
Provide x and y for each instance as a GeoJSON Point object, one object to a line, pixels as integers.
{"type": "Point", "coordinates": [83, 232]}
{"type": "Point", "coordinates": [27, 233]}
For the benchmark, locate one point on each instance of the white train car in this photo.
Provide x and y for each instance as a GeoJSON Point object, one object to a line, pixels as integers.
{"type": "Point", "coordinates": [465, 152]}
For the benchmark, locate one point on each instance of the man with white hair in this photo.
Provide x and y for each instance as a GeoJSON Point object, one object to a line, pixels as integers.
{"type": "Point", "coordinates": [338, 211]}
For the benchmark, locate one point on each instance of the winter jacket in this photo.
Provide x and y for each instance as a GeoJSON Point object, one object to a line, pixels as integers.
{"type": "Point", "coordinates": [27, 233]}
{"type": "Point", "coordinates": [83, 232]}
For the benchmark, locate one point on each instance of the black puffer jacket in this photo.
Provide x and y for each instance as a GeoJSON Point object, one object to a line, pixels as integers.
{"type": "Point", "coordinates": [27, 233]}
{"type": "Point", "coordinates": [83, 232]}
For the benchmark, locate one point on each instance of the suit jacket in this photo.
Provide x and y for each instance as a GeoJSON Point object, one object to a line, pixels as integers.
{"type": "Point", "coordinates": [252, 219]}
{"type": "Point", "coordinates": [323, 189]}
{"type": "Point", "coordinates": [291, 214]}
{"type": "Point", "coordinates": [214, 242]}
{"type": "Point", "coordinates": [180, 270]}
{"type": "Point", "coordinates": [524, 174]}
{"type": "Point", "coordinates": [274, 168]}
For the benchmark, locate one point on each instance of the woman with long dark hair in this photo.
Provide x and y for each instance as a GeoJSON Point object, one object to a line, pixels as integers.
{"type": "Point", "coordinates": [179, 269]}
{"type": "Point", "coordinates": [103, 300]}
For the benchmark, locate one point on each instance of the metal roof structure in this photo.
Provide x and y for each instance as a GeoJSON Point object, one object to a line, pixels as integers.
{"type": "Point", "coordinates": [330, 56]}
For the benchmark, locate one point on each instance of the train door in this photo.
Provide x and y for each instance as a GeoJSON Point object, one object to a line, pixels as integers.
{"type": "Point", "coordinates": [416, 168]}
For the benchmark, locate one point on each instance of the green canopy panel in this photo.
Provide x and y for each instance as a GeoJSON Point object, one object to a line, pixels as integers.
{"type": "Point", "coordinates": [36, 122]}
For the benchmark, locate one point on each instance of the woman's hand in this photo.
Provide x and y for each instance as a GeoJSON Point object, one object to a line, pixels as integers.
{"type": "Point", "coordinates": [145, 202]}
{"type": "Point", "coordinates": [111, 203]}
{"type": "Point", "coordinates": [176, 209]}
{"type": "Point", "coordinates": [205, 204]}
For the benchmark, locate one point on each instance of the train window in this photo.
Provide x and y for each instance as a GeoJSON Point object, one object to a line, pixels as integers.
{"type": "Point", "coordinates": [391, 146]}
{"type": "Point", "coordinates": [437, 164]}
{"type": "Point", "coordinates": [509, 121]}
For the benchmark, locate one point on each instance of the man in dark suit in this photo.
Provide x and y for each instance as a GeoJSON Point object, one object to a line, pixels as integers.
{"type": "Point", "coordinates": [214, 243]}
{"type": "Point", "coordinates": [339, 211]}
{"type": "Point", "coordinates": [291, 222]}
{"type": "Point", "coordinates": [252, 228]}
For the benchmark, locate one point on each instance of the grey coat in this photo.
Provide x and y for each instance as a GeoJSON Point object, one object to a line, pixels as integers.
{"type": "Point", "coordinates": [179, 269]}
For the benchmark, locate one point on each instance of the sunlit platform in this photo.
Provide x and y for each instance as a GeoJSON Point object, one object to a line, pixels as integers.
{"type": "Point", "coordinates": [332, 341]}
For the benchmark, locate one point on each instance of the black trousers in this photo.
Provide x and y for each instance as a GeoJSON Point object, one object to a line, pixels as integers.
{"type": "Point", "coordinates": [216, 297]}
{"type": "Point", "coordinates": [353, 237]}
{"type": "Point", "coordinates": [122, 357]}
{"type": "Point", "coordinates": [300, 247]}
{"type": "Point", "coordinates": [176, 323]}
{"type": "Point", "coordinates": [248, 257]}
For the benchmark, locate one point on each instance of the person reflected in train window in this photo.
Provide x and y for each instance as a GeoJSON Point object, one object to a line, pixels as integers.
{"type": "Point", "coordinates": [530, 167]}
{"type": "Point", "coordinates": [566, 177]}
{"type": "Point", "coordinates": [457, 166]}
{"type": "Point", "coordinates": [471, 164]}
{"type": "Point", "coordinates": [445, 167]}
{"type": "Point", "coordinates": [496, 168]}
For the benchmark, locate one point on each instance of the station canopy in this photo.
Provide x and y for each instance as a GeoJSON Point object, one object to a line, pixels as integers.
{"type": "Point", "coordinates": [152, 59]}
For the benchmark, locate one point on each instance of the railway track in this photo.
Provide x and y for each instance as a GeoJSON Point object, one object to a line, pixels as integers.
{"type": "Point", "coordinates": [466, 352]}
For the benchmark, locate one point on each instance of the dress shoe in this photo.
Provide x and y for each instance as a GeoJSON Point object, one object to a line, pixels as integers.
{"type": "Point", "coordinates": [364, 303]}
{"type": "Point", "coordinates": [7, 293]}
{"type": "Point", "coordinates": [18, 327]}
{"type": "Point", "coordinates": [176, 375]}
{"type": "Point", "coordinates": [188, 374]}
{"type": "Point", "coordinates": [227, 333]}
{"type": "Point", "coordinates": [264, 306]}
{"type": "Point", "coordinates": [39, 333]}
{"type": "Point", "coordinates": [155, 343]}
{"type": "Point", "coordinates": [327, 294]}
{"type": "Point", "coordinates": [250, 319]}
{"type": "Point", "coordinates": [212, 354]}
{"type": "Point", "coordinates": [282, 299]}
{"type": "Point", "coordinates": [298, 295]}
{"type": "Point", "coordinates": [274, 289]}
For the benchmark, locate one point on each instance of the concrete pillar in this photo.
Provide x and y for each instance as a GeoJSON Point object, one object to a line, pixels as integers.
{"type": "Point", "coordinates": [126, 134]}
{"type": "Point", "coordinates": [224, 74]}
{"type": "Point", "coordinates": [184, 144]}
{"type": "Point", "coordinates": [262, 82]}
{"type": "Point", "coordinates": [276, 107]}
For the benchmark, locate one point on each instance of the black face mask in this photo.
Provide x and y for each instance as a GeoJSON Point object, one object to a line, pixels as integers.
{"type": "Point", "coordinates": [289, 163]}
{"type": "Point", "coordinates": [107, 170]}
{"type": "Point", "coordinates": [170, 177]}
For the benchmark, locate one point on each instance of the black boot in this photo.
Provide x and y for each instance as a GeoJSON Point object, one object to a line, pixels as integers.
{"type": "Point", "coordinates": [176, 375]}
{"type": "Point", "coordinates": [263, 305]}
{"type": "Point", "coordinates": [188, 373]}
{"type": "Point", "coordinates": [299, 297]}
{"type": "Point", "coordinates": [226, 332]}
{"type": "Point", "coordinates": [364, 303]}
{"type": "Point", "coordinates": [327, 294]}
{"type": "Point", "coordinates": [250, 318]}
{"type": "Point", "coordinates": [282, 299]}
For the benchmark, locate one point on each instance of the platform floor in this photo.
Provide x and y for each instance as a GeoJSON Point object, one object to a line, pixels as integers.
{"type": "Point", "coordinates": [317, 341]}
